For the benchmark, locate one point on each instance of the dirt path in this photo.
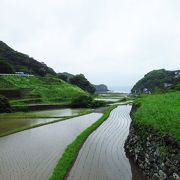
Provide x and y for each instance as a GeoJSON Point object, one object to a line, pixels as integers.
{"type": "Point", "coordinates": [32, 154]}
{"type": "Point", "coordinates": [102, 157]}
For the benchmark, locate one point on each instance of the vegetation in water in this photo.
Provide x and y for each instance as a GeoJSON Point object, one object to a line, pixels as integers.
{"type": "Point", "coordinates": [161, 111]}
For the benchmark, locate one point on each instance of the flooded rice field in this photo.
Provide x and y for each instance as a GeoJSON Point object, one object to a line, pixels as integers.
{"type": "Point", "coordinates": [108, 99]}
{"type": "Point", "coordinates": [60, 112]}
{"type": "Point", "coordinates": [12, 121]}
{"type": "Point", "coordinates": [46, 113]}
{"type": "Point", "coordinates": [32, 154]}
{"type": "Point", "coordinates": [8, 125]}
{"type": "Point", "coordinates": [102, 156]}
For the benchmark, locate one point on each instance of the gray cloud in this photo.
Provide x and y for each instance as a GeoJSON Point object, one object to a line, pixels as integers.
{"type": "Point", "coordinates": [111, 41]}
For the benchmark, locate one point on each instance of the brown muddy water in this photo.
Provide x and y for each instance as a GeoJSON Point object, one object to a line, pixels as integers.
{"type": "Point", "coordinates": [33, 154]}
{"type": "Point", "coordinates": [102, 157]}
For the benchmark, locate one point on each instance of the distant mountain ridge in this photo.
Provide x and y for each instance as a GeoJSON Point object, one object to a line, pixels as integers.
{"type": "Point", "coordinates": [157, 80]}
{"type": "Point", "coordinates": [22, 62]}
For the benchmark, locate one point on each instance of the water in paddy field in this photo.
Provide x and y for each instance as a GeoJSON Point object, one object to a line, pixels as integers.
{"type": "Point", "coordinates": [60, 112]}
{"type": "Point", "coordinates": [12, 121]}
{"type": "Point", "coordinates": [33, 154]}
{"type": "Point", "coordinates": [102, 157]}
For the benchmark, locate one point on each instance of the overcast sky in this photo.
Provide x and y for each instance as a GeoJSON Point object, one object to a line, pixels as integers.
{"type": "Point", "coordinates": [110, 41]}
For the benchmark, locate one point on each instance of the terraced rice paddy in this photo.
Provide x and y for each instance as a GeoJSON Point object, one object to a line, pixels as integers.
{"type": "Point", "coordinates": [59, 112]}
{"type": "Point", "coordinates": [108, 99]}
{"type": "Point", "coordinates": [102, 156]}
{"type": "Point", "coordinates": [32, 154]}
{"type": "Point", "coordinates": [12, 121]}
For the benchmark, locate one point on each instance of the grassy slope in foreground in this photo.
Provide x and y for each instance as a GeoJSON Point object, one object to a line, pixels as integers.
{"type": "Point", "coordinates": [160, 111]}
{"type": "Point", "coordinates": [46, 89]}
{"type": "Point", "coordinates": [71, 152]}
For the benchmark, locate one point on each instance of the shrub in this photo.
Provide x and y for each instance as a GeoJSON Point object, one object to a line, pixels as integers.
{"type": "Point", "coordinates": [86, 101]}
{"type": "Point", "coordinates": [4, 105]}
{"type": "Point", "coordinates": [63, 77]}
{"type": "Point", "coordinates": [98, 103]}
{"type": "Point", "coordinates": [82, 101]}
{"type": "Point", "coordinates": [177, 87]}
{"type": "Point", "coordinates": [123, 99]}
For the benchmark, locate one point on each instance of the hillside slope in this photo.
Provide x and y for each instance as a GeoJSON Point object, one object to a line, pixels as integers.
{"type": "Point", "coordinates": [157, 80]}
{"type": "Point", "coordinates": [22, 62]}
{"type": "Point", "coordinates": [37, 89]}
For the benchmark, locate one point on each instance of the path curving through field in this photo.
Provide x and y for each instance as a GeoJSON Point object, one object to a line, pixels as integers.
{"type": "Point", "coordinates": [33, 154]}
{"type": "Point", "coordinates": [102, 157]}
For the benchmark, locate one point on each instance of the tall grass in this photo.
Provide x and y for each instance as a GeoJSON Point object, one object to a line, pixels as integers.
{"type": "Point", "coordinates": [161, 111]}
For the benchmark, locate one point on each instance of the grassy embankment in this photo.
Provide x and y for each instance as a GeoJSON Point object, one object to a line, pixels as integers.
{"type": "Point", "coordinates": [71, 152]}
{"type": "Point", "coordinates": [33, 90]}
{"type": "Point", "coordinates": [160, 111]}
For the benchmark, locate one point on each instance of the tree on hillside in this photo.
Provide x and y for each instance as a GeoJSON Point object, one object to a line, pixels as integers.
{"type": "Point", "coordinates": [82, 101]}
{"type": "Point", "coordinates": [42, 72]}
{"type": "Point", "coordinates": [4, 105]}
{"type": "Point", "coordinates": [83, 83]}
{"type": "Point", "coordinates": [63, 77]}
{"type": "Point", "coordinates": [6, 68]}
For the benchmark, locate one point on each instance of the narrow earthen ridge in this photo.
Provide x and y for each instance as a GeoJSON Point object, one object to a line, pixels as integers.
{"type": "Point", "coordinates": [156, 154]}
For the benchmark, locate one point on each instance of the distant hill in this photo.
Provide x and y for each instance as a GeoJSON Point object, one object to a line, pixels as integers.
{"type": "Point", "coordinates": [101, 88]}
{"type": "Point", "coordinates": [22, 62]}
{"type": "Point", "coordinates": [158, 80]}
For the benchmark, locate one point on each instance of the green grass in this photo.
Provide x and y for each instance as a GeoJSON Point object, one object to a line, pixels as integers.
{"type": "Point", "coordinates": [160, 111]}
{"type": "Point", "coordinates": [71, 152]}
{"type": "Point", "coordinates": [40, 90]}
